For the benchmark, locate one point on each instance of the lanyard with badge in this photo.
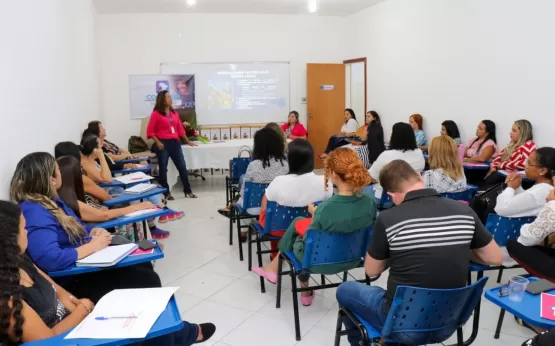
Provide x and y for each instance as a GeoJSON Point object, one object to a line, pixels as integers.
{"type": "Point", "coordinates": [170, 118]}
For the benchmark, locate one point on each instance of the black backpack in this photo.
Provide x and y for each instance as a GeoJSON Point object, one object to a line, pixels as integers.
{"type": "Point", "coordinates": [484, 203]}
{"type": "Point", "coordinates": [137, 145]}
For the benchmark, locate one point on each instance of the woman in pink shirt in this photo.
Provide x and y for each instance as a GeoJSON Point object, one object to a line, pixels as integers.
{"type": "Point", "coordinates": [293, 128]}
{"type": "Point", "coordinates": [165, 128]}
{"type": "Point", "coordinates": [484, 145]}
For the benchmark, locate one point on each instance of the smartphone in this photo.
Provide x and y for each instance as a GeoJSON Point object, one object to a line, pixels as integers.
{"type": "Point", "coordinates": [504, 291]}
{"type": "Point", "coordinates": [146, 245]}
{"type": "Point", "coordinates": [539, 286]}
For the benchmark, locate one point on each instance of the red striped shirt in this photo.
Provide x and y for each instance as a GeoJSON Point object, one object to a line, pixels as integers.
{"type": "Point", "coordinates": [518, 158]}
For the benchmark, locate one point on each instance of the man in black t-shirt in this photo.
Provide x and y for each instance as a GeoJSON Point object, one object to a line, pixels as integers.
{"type": "Point", "coordinates": [425, 241]}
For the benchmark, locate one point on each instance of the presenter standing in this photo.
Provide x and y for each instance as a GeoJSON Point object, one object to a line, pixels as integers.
{"type": "Point", "coordinates": [165, 128]}
{"type": "Point", "coordinates": [293, 128]}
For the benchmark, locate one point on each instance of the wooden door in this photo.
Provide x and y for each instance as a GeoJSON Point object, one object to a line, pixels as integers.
{"type": "Point", "coordinates": [325, 104]}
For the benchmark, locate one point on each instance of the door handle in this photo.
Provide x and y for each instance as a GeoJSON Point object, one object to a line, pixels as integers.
{"type": "Point", "coordinates": [310, 115]}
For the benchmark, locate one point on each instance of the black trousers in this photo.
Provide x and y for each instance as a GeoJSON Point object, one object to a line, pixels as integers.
{"type": "Point", "coordinates": [335, 142]}
{"type": "Point", "coordinates": [537, 260]}
{"type": "Point", "coordinates": [97, 284]}
{"type": "Point", "coordinates": [546, 339]}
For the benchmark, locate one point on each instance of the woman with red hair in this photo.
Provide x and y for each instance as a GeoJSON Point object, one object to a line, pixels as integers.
{"type": "Point", "coordinates": [416, 122]}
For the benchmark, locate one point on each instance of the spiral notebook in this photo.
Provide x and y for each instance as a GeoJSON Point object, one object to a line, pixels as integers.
{"type": "Point", "coordinates": [107, 257]}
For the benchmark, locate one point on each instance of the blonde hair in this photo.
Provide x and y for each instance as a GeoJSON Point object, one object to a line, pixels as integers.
{"type": "Point", "coordinates": [443, 154]}
{"type": "Point", "coordinates": [525, 135]}
{"type": "Point", "coordinates": [277, 128]}
{"type": "Point", "coordinates": [31, 182]}
{"type": "Point", "coordinates": [345, 163]}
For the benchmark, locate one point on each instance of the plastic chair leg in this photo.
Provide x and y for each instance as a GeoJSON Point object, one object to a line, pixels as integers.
{"type": "Point", "coordinates": [280, 276]}
{"type": "Point", "coordinates": [499, 324]}
{"type": "Point", "coordinates": [323, 279]}
{"type": "Point", "coordinates": [231, 216]}
{"type": "Point", "coordinates": [460, 341]}
{"type": "Point", "coordinates": [295, 305]}
{"type": "Point", "coordinates": [259, 255]}
{"type": "Point", "coordinates": [227, 188]}
{"type": "Point", "coordinates": [249, 248]}
{"type": "Point", "coordinates": [500, 276]}
{"type": "Point", "coordinates": [338, 327]}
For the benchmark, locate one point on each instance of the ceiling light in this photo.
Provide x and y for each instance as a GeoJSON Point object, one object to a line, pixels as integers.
{"type": "Point", "coordinates": [191, 2]}
{"type": "Point", "coordinates": [312, 6]}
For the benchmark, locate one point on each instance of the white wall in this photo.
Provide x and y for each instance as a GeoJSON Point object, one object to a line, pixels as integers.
{"type": "Point", "coordinates": [48, 72]}
{"type": "Point", "coordinates": [137, 44]}
{"type": "Point", "coordinates": [464, 60]}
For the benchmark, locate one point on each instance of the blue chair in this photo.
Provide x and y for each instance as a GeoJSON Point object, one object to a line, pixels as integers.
{"type": "Point", "coordinates": [144, 169]}
{"type": "Point", "coordinates": [237, 167]}
{"type": "Point", "coordinates": [322, 248]}
{"type": "Point", "coordinates": [383, 202]}
{"type": "Point", "coordinates": [465, 195]}
{"type": "Point", "coordinates": [503, 229]}
{"type": "Point", "coordinates": [528, 309]}
{"type": "Point", "coordinates": [420, 310]}
{"type": "Point", "coordinates": [278, 218]}
{"type": "Point", "coordinates": [252, 198]}
{"type": "Point", "coordinates": [169, 322]}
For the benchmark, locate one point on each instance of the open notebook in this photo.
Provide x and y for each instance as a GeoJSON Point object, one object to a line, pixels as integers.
{"type": "Point", "coordinates": [140, 188]}
{"type": "Point", "coordinates": [107, 257]}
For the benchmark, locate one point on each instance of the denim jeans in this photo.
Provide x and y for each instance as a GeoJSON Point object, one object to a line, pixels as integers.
{"type": "Point", "coordinates": [172, 150]}
{"type": "Point", "coordinates": [367, 302]}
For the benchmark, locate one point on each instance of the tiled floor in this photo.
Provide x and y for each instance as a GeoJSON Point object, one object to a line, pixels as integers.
{"type": "Point", "coordinates": [216, 287]}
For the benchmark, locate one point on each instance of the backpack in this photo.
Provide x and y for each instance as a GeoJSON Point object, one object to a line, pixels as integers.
{"type": "Point", "coordinates": [137, 145]}
{"type": "Point", "coordinates": [484, 203]}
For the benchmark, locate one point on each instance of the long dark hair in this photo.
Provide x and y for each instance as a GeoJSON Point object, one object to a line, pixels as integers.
{"type": "Point", "coordinates": [88, 144]}
{"type": "Point", "coordinates": [352, 112]}
{"type": "Point", "coordinates": [72, 190]}
{"type": "Point", "coordinates": [10, 263]}
{"type": "Point", "coordinates": [94, 127]}
{"type": "Point", "coordinates": [160, 105]}
{"type": "Point", "coordinates": [451, 128]}
{"type": "Point", "coordinates": [300, 157]}
{"type": "Point", "coordinates": [490, 130]}
{"type": "Point", "coordinates": [376, 116]}
{"type": "Point", "coordinates": [546, 159]}
{"type": "Point", "coordinates": [67, 149]}
{"type": "Point", "coordinates": [268, 144]}
{"type": "Point", "coordinates": [375, 138]}
{"type": "Point", "coordinates": [402, 138]}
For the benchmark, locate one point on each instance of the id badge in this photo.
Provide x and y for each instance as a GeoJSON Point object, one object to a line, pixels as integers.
{"type": "Point", "coordinates": [173, 130]}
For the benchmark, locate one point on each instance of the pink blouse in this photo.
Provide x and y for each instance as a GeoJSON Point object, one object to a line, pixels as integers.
{"type": "Point", "coordinates": [473, 147]}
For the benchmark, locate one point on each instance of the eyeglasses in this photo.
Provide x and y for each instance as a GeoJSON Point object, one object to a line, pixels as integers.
{"type": "Point", "coordinates": [528, 164]}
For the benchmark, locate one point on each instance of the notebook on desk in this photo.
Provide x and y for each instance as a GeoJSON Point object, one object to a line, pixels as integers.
{"type": "Point", "coordinates": [107, 257]}
{"type": "Point", "coordinates": [140, 188]}
{"type": "Point", "coordinates": [133, 178]}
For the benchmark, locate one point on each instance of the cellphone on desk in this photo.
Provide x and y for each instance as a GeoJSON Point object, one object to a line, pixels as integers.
{"type": "Point", "coordinates": [146, 245]}
{"type": "Point", "coordinates": [539, 286]}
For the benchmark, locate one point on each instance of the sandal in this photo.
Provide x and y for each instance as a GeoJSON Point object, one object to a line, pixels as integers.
{"type": "Point", "coordinates": [190, 195]}
{"type": "Point", "coordinates": [223, 212]}
{"type": "Point", "coordinates": [169, 197]}
{"type": "Point", "coordinates": [208, 330]}
{"type": "Point", "coordinates": [520, 322]}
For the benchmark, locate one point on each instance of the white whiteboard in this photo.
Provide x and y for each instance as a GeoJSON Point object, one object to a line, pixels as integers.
{"type": "Point", "coordinates": [237, 93]}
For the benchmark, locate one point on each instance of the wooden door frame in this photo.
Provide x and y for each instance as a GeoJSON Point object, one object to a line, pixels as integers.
{"type": "Point", "coordinates": [364, 60]}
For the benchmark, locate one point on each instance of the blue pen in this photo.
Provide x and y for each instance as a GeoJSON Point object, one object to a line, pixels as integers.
{"type": "Point", "coordinates": [101, 318]}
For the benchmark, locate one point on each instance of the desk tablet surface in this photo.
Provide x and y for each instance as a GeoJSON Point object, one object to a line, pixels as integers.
{"type": "Point", "coordinates": [127, 261]}
{"type": "Point", "coordinates": [125, 220]}
{"type": "Point", "coordinates": [131, 197]}
{"type": "Point", "coordinates": [169, 322]}
{"type": "Point", "coordinates": [146, 168]}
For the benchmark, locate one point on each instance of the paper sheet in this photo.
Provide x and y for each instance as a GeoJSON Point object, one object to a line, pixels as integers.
{"type": "Point", "coordinates": [147, 304]}
{"type": "Point", "coordinates": [133, 178]}
{"type": "Point", "coordinates": [141, 212]}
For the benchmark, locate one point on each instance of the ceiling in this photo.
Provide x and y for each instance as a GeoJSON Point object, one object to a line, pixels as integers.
{"type": "Point", "coordinates": [326, 7]}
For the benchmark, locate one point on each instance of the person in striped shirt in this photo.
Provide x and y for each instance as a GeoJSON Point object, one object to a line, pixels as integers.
{"type": "Point", "coordinates": [425, 241]}
{"type": "Point", "coordinates": [515, 155]}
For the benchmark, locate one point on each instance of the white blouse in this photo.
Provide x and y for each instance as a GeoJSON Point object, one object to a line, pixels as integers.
{"type": "Point", "coordinates": [534, 233]}
{"type": "Point", "coordinates": [520, 202]}
{"type": "Point", "coordinates": [350, 126]}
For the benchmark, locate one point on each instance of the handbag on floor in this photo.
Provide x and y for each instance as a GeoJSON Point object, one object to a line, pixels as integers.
{"type": "Point", "coordinates": [484, 203]}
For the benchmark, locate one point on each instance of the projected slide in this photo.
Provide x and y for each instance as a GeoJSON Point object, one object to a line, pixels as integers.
{"type": "Point", "coordinates": [238, 93]}
{"type": "Point", "coordinates": [244, 90]}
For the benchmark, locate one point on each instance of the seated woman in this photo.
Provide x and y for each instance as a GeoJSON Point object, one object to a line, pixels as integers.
{"type": "Point", "coordinates": [484, 145]}
{"type": "Point", "coordinates": [279, 131]}
{"type": "Point", "coordinates": [72, 194]}
{"type": "Point", "coordinates": [348, 129]}
{"type": "Point", "coordinates": [416, 123]}
{"type": "Point", "coordinates": [401, 147]}
{"type": "Point", "coordinates": [514, 201]}
{"type": "Point", "coordinates": [34, 307]}
{"type": "Point", "coordinates": [446, 173]}
{"type": "Point", "coordinates": [113, 151]}
{"type": "Point", "coordinates": [374, 137]}
{"type": "Point", "coordinates": [514, 156]}
{"type": "Point", "coordinates": [293, 128]}
{"type": "Point", "coordinates": [347, 211]}
{"type": "Point", "coordinates": [57, 238]}
{"type": "Point", "coordinates": [448, 128]}
{"type": "Point", "coordinates": [268, 162]}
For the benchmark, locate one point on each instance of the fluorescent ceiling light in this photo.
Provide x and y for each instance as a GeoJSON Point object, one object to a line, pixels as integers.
{"type": "Point", "coordinates": [312, 6]}
{"type": "Point", "coordinates": [191, 2]}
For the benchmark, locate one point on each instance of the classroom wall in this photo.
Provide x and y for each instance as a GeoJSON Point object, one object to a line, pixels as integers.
{"type": "Point", "coordinates": [137, 44]}
{"type": "Point", "coordinates": [48, 71]}
{"type": "Point", "coordinates": [464, 60]}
